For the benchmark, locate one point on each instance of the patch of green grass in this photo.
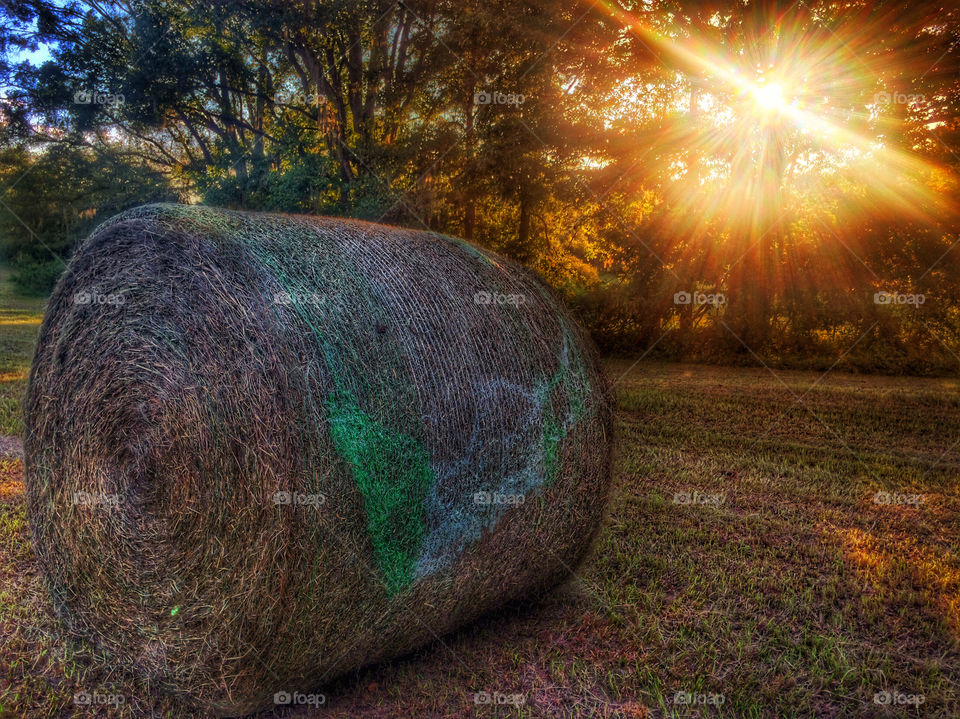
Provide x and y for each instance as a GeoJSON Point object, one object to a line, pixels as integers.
{"type": "Point", "coordinates": [743, 559]}
{"type": "Point", "coordinates": [19, 325]}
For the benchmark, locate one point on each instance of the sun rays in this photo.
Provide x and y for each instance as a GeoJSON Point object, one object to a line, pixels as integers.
{"type": "Point", "coordinates": [784, 115]}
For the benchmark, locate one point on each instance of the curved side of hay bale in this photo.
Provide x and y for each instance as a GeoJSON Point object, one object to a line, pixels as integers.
{"type": "Point", "coordinates": [263, 450]}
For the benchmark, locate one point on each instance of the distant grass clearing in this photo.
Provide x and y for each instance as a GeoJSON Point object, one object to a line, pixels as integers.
{"type": "Point", "coordinates": [20, 319]}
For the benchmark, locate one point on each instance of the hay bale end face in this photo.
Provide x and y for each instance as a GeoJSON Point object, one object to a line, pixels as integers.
{"type": "Point", "coordinates": [265, 450]}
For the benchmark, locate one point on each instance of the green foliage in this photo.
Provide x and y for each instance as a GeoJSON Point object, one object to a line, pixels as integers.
{"type": "Point", "coordinates": [34, 278]}
{"type": "Point", "coordinates": [56, 196]}
{"type": "Point", "coordinates": [606, 178]}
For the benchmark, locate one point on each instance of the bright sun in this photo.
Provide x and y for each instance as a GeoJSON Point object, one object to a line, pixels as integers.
{"type": "Point", "coordinates": [769, 97]}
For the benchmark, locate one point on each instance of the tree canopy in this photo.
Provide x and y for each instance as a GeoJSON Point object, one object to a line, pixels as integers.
{"type": "Point", "coordinates": [757, 181]}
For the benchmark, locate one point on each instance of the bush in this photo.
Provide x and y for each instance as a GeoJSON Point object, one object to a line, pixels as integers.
{"type": "Point", "coordinates": [35, 278]}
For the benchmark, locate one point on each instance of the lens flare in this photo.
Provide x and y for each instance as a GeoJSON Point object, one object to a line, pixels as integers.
{"type": "Point", "coordinates": [769, 97]}
{"type": "Point", "coordinates": [781, 120]}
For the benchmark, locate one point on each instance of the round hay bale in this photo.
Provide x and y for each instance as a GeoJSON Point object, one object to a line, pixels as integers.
{"type": "Point", "coordinates": [265, 450]}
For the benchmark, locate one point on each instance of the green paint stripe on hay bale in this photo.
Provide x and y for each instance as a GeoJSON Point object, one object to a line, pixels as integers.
{"type": "Point", "coordinates": [393, 473]}
{"type": "Point", "coordinates": [390, 468]}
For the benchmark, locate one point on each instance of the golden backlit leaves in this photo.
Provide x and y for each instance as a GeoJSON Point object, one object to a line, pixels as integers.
{"type": "Point", "coordinates": [789, 118]}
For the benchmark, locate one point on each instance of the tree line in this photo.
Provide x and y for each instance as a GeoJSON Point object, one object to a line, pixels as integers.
{"type": "Point", "coordinates": [607, 145]}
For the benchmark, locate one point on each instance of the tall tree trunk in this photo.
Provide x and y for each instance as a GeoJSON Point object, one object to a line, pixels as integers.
{"type": "Point", "coordinates": [470, 206]}
{"type": "Point", "coordinates": [469, 220]}
{"type": "Point", "coordinates": [524, 253]}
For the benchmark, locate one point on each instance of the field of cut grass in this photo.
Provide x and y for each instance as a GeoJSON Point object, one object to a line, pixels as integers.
{"type": "Point", "coordinates": [777, 545]}
{"type": "Point", "coordinates": [19, 324]}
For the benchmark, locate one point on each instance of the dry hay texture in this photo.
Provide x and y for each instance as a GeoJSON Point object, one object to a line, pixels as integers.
{"type": "Point", "coordinates": [255, 444]}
